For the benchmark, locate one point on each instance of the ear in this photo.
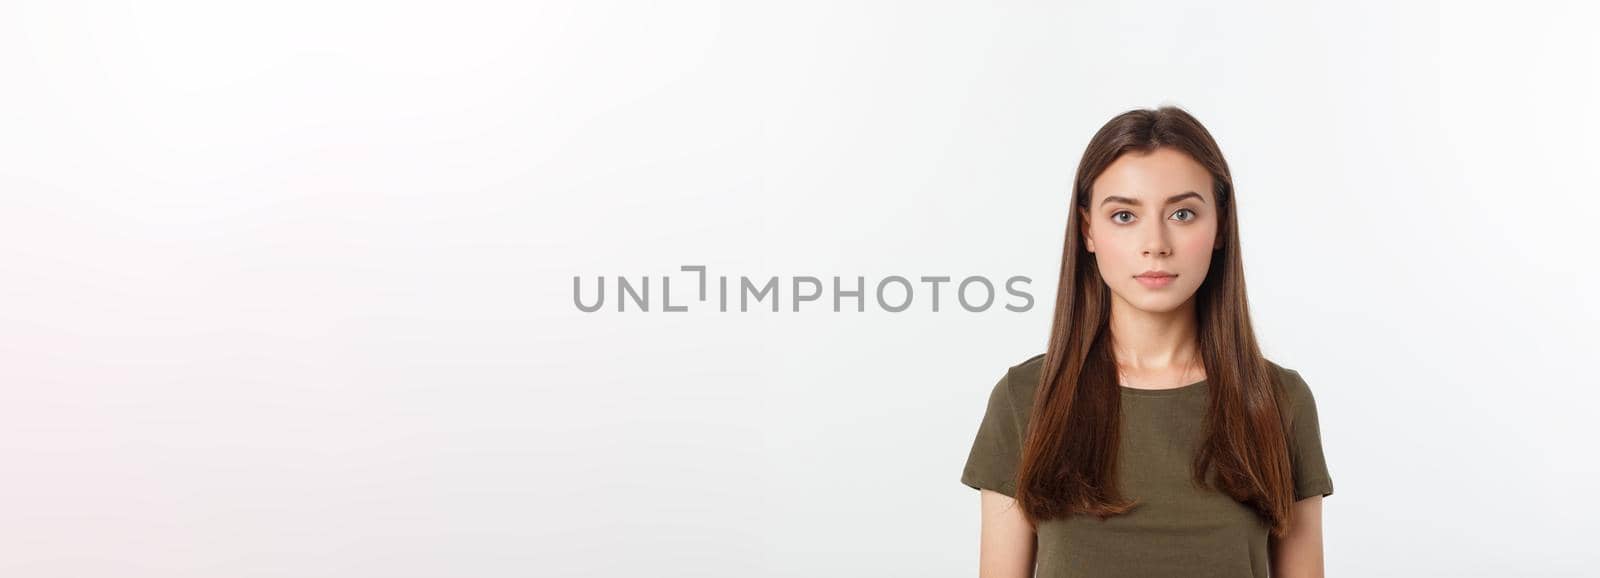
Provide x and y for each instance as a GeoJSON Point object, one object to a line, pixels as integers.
{"type": "Point", "coordinates": [1083, 226]}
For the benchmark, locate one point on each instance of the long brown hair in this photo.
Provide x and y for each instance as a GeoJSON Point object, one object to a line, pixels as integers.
{"type": "Point", "coordinates": [1069, 456]}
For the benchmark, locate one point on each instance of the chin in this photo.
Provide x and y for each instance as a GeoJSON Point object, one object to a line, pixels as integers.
{"type": "Point", "coordinates": [1165, 303]}
{"type": "Point", "coordinates": [1158, 307]}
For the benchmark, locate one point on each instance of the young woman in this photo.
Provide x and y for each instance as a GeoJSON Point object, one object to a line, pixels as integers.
{"type": "Point", "coordinates": [1151, 438]}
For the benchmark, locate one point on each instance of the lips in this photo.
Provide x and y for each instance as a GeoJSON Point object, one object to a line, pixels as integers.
{"type": "Point", "coordinates": [1156, 278]}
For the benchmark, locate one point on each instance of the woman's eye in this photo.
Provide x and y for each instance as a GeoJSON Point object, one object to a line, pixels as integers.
{"type": "Point", "coordinates": [1185, 210]}
{"type": "Point", "coordinates": [1114, 216]}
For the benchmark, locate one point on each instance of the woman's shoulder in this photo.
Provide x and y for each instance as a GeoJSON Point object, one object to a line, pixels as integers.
{"type": "Point", "coordinates": [1033, 364]}
{"type": "Point", "coordinates": [1294, 387]}
{"type": "Point", "coordinates": [1021, 379]}
{"type": "Point", "coordinates": [1027, 371]}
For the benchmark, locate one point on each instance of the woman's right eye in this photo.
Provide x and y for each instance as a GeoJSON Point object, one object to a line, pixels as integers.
{"type": "Point", "coordinates": [1114, 216]}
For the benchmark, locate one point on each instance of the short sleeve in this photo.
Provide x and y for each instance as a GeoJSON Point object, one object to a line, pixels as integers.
{"type": "Point", "coordinates": [1311, 477]}
{"type": "Point", "coordinates": [992, 462]}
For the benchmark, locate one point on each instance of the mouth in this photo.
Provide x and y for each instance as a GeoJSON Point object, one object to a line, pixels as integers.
{"type": "Point", "coordinates": [1156, 279]}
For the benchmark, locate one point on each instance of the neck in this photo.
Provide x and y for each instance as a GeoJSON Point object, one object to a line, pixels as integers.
{"type": "Point", "coordinates": [1154, 341]}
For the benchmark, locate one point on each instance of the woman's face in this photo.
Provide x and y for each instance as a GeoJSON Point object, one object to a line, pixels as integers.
{"type": "Point", "coordinates": [1152, 211]}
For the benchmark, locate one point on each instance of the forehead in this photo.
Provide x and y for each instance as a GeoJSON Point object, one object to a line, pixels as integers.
{"type": "Point", "coordinates": [1151, 177]}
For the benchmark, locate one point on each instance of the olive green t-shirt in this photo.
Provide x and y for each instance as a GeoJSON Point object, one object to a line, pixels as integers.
{"type": "Point", "coordinates": [1177, 529]}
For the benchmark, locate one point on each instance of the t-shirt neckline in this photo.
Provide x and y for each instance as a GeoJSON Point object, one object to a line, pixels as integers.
{"type": "Point", "coordinates": [1135, 391]}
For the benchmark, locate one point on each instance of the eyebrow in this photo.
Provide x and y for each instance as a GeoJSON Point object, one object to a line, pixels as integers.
{"type": "Point", "coordinates": [1170, 200]}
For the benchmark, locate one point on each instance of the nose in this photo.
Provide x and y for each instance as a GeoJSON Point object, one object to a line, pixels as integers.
{"type": "Point", "coordinates": [1156, 243]}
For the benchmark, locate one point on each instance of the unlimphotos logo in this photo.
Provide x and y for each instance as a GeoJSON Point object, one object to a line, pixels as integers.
{"type": "Point", "coordinates": [893, 293]}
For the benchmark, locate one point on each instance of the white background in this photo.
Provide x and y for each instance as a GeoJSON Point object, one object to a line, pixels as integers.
{"type": "Point", "coordinates": [287, 287]}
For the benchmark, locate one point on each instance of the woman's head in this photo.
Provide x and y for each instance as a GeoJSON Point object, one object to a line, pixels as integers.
{"type": "Point", "coordinates": [1152, 194]}
{"type": "Point", "coordinates": [1132, 212]}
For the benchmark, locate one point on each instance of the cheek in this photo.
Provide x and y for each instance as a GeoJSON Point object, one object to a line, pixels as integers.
{"type": "Point", "coordinates": [1109, 248]}
{"type": "Point", "coordinates": [1198, 244]}
{"type": "Point", "coordinates": [1196, 250]}
{"type": "Point", "coordinates": [1117, 257]}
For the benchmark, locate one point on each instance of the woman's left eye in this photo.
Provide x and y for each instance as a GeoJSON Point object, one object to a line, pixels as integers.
{"type": "Point", "coordinates": [1184, 210]}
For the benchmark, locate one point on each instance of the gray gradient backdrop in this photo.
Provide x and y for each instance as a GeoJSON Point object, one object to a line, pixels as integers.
{"type": "Point", "coordinates": [286, 288]}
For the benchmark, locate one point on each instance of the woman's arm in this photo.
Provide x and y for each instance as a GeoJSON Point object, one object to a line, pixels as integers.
{"type": "Point", "coordinates": [1006, 547]}
{"type": "Point", "coordinates": [1299, 553]}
